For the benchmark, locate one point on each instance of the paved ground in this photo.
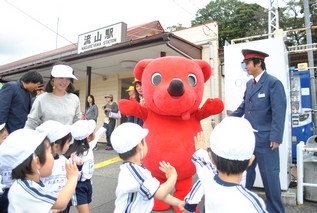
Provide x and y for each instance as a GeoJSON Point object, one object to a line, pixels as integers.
{"type": "Point", "coordinates": [105, 182]}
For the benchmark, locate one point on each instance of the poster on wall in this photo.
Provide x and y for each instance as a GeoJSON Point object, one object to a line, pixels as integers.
{"type": "Point", "coordinates": [235, 83]}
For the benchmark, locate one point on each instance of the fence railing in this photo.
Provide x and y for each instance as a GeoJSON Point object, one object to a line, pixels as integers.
{"type": "Point", "coordinates": [302, 48]}
{"type": "Point", "coordinates": [301, 148]}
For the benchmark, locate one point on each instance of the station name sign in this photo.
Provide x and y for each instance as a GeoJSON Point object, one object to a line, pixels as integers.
{"type": "Point", "coordinates": [102, 37]}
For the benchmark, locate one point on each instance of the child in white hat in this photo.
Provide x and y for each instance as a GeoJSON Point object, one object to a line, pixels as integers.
{"type": "Point", "coordinates": [136, 187]}
{"type": "Point", "coordinates": [85, 139]}
{"type": "Point", "coordinates": [3, 132]}
{"type": "Point", "coordinates": [60, 138]}
{"type": "Point", "coordinates": [231, 150]}
{"type": "Point", "coordinates": [28, 154]}
{"type": "Point", "coordinates": [5, 176]}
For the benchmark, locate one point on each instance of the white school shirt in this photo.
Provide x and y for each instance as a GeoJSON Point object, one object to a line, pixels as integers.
{"type": "Point", "coordinates": [221, 196]}
{"type": "Point", "coordinates": [26, 196]}
{"type": "Point", "coordinates": [88, 169]}
{"type": "Point", "coordinates": [58, 179]}
{"type": "Point", "coordinates": [6, 180]}
{"type": "Point", "coordinates": [135, 190]}
{"type": "Point", "coordinates": [88, 166]}
{"type": "Point", "coordinates": [88, 157]}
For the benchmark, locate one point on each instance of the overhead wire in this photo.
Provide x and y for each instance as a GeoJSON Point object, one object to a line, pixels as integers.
{"type": "Point", "coordinates": [191, 14]}
{"type": "Point", "coordinates": [36, 20]}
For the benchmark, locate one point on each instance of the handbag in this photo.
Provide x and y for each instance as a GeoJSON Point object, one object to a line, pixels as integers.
{"type": "Point", "coordinates": [83, 117]}
{"type": "Point", "coordinates": [115, 115]}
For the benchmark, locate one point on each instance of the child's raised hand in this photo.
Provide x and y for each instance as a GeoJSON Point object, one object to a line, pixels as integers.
{"type": "Point", "coordinates": [142, 102]}
{"type": "Point", "coordinates": [200, 142]}
{"type": "Point", "coordinates": [181, 206]}
{"type": "Point", "coordinates": [76, 159]}
{"type": "Point", "coordinates": [71, 169]}
{"type": "Point", "coordinates": [168, 169]}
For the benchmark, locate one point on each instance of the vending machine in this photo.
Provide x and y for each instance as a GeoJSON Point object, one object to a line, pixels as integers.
{"type": "Point", "coordinates": [301, 108]}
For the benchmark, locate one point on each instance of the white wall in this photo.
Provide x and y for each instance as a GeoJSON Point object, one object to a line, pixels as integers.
{"type": "Point", "coordinates": [236, 78]}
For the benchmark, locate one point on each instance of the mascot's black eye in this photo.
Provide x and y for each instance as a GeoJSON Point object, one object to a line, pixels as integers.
{"type": "Point", "coordinates": [156, 79]}
{"type": "Point", "coordinates": [192, 80]}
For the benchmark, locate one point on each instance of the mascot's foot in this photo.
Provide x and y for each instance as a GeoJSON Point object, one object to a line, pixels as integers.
{"type": "Point", "coordinates": [160, 206]}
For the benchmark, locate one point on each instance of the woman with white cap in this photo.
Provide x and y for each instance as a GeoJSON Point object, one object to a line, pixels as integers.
{"type": "Point", "coordinates": [59, 103]}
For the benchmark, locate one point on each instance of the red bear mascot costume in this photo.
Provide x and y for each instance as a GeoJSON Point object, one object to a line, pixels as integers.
{"type": "Point", "coordinates": [172, 88]}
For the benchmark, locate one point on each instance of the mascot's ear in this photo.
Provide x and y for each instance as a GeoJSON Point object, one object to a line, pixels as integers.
{"type": "Point", "coordinates": [139, 68]}
{"type": "Point", "coordinates": [205, 67]}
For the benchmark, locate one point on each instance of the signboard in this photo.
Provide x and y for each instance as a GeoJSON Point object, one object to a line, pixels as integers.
{"type": "Point", "coordinates": [235, 84]}
{"type": "Point", "coordinates": [302, 66]}
{"type": "Point", "coordinates": [102, 37]}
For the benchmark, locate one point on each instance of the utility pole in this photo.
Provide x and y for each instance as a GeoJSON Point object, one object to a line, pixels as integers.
{"type": "Point", "coordinates": [57, 26]}
{"type": "Point", "coordinates": [310, 57]}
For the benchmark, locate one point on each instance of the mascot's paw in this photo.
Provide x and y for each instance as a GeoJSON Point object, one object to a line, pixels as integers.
{"type": "Point", "coordinates": [210, 107]}
{"type": "Point", "coordinates": [218, 104]}
{"type": "Point", "coordinates": [128, 107]}
{"type": "Point", "coordinates": [124, 103]}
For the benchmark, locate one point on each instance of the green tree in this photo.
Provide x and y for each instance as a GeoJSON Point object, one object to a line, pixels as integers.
{"type": "Point", "coordinates": [313, 12]}
{"type": "Point", "coordinates": [175, 28]}
{"type": "Point", "coordinates": [235, 19]}
{"type": "Point", "coordinates": [252, 19]}
{"type": "Point", "coordinates": [291, 18]}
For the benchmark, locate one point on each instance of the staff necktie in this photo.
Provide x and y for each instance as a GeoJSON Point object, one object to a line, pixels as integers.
{"type": "Point", "coordinates": [254, 82]}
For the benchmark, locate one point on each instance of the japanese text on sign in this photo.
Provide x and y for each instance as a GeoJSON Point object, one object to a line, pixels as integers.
{"type": "Point", "coordinates": [102, 37]}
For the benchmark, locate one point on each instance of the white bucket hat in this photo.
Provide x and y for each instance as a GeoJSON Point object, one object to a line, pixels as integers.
{"type": "Point", "coordinates": [55, 130]}
{"type": "Point", "coordinates": [2, 126]}
{"type": "Point", "coordinates": [233, 138]}
{"type": "Point", "coordinates": [62, 71]}
{"type": "Point", "coordinates": [18, 146]}
{"type": "Point", "coordinates": [81, 129]}
{"type": "Point", "coordinates": [126, 136]}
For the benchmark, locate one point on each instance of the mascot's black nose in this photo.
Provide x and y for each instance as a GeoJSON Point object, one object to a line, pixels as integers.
{"type": "Point", "coordinates": [176, 88]}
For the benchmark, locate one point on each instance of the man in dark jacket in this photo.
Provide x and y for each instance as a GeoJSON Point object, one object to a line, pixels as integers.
{"type": "Point", "coordinates": [264, 106]}
{"type": "Point", "coordinates": [16, 100]}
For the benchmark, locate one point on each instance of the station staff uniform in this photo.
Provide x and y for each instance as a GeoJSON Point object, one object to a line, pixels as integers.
{"type": "Point", "coordinates": [264, 106]}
